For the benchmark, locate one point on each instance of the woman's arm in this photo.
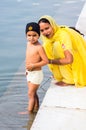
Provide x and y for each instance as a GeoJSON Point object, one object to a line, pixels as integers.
{"type": "Point", "coordinates": [68, 59]}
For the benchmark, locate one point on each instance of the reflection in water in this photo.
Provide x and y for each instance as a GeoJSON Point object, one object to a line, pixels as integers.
{"type": "Point", "coordinates": [30, 121]}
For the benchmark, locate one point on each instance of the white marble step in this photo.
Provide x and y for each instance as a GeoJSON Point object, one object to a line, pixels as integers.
{"type": "Point", "coordinates": [63, 108]}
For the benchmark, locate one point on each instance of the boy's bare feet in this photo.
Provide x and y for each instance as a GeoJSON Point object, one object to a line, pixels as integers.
{"type": "Point", "coordinates": [23, 113]}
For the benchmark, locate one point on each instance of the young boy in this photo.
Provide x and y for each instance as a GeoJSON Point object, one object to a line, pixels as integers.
{"type": "Point", "coordinates": [35, 59]}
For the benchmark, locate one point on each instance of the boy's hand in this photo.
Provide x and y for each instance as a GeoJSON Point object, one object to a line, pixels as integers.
{"type": "Point", "coordinates": [30, 67]}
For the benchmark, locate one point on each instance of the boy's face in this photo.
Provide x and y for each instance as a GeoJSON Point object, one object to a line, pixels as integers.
{"type": "Point", "coordinates": [32, 37]}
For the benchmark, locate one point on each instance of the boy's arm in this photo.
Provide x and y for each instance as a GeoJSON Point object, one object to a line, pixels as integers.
{"type": "Point", "coordinates": [44, 59]}
{"type": "Point", "coordinates": [39, 64]}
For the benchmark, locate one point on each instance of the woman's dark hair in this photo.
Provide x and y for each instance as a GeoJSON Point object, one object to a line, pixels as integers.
{"type": "Point", "coordinates": [43, 20]}
{"type": "Point", "coordinates": [77, 30]}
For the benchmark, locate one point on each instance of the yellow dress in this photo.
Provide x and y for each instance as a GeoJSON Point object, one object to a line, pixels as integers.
{"type": "Point", "coordinates": [66, 39]}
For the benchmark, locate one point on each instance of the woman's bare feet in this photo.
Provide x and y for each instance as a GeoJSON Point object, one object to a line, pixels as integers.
{"type": "Point", "coordinates": [61, 83]}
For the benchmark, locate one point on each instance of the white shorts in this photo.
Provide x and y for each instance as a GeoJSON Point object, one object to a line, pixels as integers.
{"type": "Point", "coordinates": [35, 77]}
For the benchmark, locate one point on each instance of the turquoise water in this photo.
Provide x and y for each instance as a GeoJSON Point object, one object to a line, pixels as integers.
{"type": "Point", "coordinates": [14, 15]}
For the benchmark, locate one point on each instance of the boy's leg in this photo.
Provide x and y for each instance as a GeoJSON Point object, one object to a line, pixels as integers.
{"type": "Point", "coordinates": [32, 88]}
{"type": "Point", "coordinates": [36, 105]}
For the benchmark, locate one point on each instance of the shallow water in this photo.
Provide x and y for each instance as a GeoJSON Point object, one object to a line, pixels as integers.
{"type": "Point", "coordinates": [14, 15]}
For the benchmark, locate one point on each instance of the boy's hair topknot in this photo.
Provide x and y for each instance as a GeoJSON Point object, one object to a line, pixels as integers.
{"type": "Point", "coordinates": [32, 26]}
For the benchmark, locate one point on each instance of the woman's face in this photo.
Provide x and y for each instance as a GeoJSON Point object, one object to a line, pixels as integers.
{"type": "Point", "coordinates": [46, 29]}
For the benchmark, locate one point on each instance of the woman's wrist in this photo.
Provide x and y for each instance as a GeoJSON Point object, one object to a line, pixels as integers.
{"type": "Point", "coordinates": [50, 61]}
{"type": "Point", "coordinates": [54, 61]}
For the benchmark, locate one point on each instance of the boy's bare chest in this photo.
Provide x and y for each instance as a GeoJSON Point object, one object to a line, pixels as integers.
{"type": "Point", "coordinates": [32, 51]}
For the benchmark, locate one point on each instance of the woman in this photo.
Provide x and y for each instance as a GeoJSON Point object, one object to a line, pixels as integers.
{"type": "Point", "coordinates": [66, 51]}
